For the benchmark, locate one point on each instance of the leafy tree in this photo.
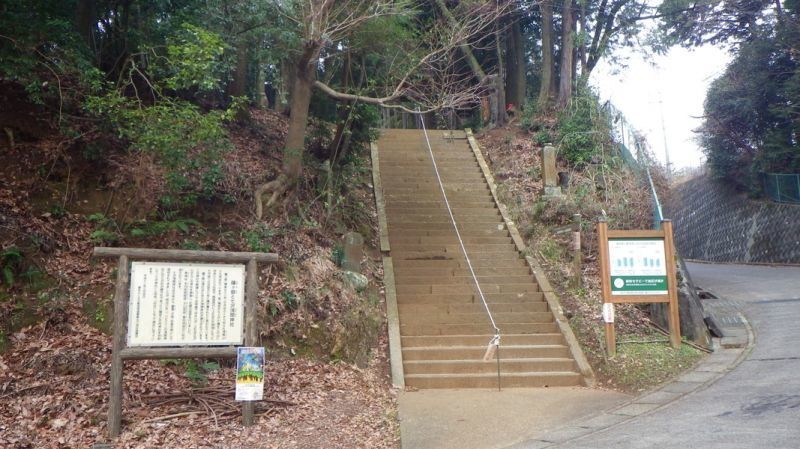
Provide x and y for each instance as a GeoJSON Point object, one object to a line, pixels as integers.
{"type": "Point", "coordinates": [426, 75]}
{"type": "Point", "coordinates": [752, 117]}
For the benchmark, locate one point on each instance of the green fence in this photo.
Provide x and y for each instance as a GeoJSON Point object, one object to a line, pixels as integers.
{"type": "Point", "coordinates": [782, 188]}
{"type": "Point", "coordinates": [625, 135]}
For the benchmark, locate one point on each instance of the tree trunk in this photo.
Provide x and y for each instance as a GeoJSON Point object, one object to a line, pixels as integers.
{"type": "Point", "coordinates": [336, 146]}
{"type": "Point", "coordinates": [85, 20]}
{"type": "Point", "coordinates": [515, 67]}
{"type": "Point", "coordinates": [500, 89]}
{"type": "Point", "coordinates": [547, 86]}
{"type": "Point", "coordinates": [261, 96]}
{"type": "Point", "coordinates": [567, 49]}
{"type": "Point", "coordinates": [294, 146]}
{"type": "Point", "coordinates": [238, 86]}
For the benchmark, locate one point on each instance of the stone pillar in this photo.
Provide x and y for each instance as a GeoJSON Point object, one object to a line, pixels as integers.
{"type": "Point", "coordinates": [353, 244]}
{"type": "Point", "coordinates": [549, 174]}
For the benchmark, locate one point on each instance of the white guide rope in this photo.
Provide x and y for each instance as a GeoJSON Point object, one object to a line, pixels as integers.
{"type": "Point", "coordinates": [496, 339]}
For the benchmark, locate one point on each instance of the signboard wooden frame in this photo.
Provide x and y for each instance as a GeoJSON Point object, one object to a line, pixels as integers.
{"type": "Point", "coordinates": [122, 352]}
{"type": "Point", "coordinates": [604, 235]}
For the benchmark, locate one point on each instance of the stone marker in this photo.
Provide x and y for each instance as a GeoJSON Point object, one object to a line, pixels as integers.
{"type": "Point", "coordinates": [353, 244]}
{"type": "Point", "coordinates": [549, 174]}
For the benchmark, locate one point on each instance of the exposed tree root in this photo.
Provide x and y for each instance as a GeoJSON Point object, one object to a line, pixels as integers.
{"type": "Point", "coordinates": [277, 187]}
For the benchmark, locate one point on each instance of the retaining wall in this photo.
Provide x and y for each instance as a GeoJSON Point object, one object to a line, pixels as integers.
{"type": "Point", "coordinates": [712, 222]}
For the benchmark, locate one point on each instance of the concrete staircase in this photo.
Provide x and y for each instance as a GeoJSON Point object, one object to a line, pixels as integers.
{"type": "Point", "coordinates": [444, 329]}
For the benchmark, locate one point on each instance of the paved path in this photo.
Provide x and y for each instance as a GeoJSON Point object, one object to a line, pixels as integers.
{"type": "Point", "coordinates": [486, 419]}
{"type": "Point", "coordinates": [756, 405]}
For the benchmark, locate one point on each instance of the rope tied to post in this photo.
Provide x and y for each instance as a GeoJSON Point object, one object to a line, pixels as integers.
{"type": "Point", "coordinates": [493, 349]}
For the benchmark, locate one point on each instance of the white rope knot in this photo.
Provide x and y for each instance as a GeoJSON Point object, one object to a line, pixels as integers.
{"type": "Point", "coordinates": [491, 349]}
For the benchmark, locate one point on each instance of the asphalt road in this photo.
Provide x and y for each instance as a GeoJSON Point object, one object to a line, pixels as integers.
{"type": "Point", "coordinates": [757, 405]}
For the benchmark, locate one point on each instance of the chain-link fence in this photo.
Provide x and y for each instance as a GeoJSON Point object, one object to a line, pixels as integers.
{"type": "Point", "coordinates": [626, 136]}
{"type": "Point", "coordinates": [782, 188]}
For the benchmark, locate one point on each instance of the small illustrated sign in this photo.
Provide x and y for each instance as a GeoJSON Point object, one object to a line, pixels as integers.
{"type": "Point", "coordinates": [608, 312]}
{"type": "Point", "coordinates": [185, 304]}
{"type": "Point", "coordinates": [637, 267]}
{"type": "Point", "coordinates": [249, 373]}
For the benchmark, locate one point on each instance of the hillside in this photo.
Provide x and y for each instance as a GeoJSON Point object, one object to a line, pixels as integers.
{"type": "Point", "coordinates": [324, 382]}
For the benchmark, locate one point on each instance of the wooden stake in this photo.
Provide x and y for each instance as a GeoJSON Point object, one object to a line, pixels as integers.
{"type": "Point", "coordinates": [120, 334]}
{"type": "Point", "coordinates": [577, 270]}
{"type": "Point", "coordinates": [250, 328]}
{"type": "Point", "coordinates": [605, 276]}
{"type": "Point", "coordinates": [674, 314]}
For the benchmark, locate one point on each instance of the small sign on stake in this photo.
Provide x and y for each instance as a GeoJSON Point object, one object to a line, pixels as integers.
{"type": "Point", "coordinates": [249, 373]}
{"type": "Point", "coordinates": [608, 312]}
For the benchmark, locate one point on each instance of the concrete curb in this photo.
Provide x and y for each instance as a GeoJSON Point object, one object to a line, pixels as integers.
{"type": "Point", "coordinates": [392, 314]}
{"type": "Point", "coordinates": [730, 352]}
{"type": "Point", "coordinates": [550, 295]}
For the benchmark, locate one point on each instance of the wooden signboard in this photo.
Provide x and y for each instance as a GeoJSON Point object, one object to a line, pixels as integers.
{"type": "Point", "coordinates": [638, 267]}
{"type": "Point", "coordinates": [173, 304]}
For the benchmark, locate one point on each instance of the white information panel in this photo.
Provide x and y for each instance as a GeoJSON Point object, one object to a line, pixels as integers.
{"type": "Point", "coordinates": [185, 304]}
{"type": "Point", "coordinates": [638, 267]}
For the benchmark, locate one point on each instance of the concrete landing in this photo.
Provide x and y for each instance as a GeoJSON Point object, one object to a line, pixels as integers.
{"type": "Point", "coordinates": [486, 419]}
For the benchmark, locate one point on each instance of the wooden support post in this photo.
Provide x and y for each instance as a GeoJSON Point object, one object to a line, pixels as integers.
{"type": "Point", "coordinates": [605, 274]}
{"type": "Point", "coordinates": [674, 314]}
{"type": "Point", "coordinates": [250, 327]}
{"type": "Point", "coordinates": [577, 256]}
{"type": "Point", "coordinates": [120, 333]}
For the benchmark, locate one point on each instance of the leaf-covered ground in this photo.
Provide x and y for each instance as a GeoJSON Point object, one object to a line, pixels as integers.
{"type": "Point", "coordinates": [323, 387]}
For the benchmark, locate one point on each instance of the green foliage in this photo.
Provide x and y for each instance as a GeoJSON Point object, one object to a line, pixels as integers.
{"type": "Point", "coordinates": [583, 129]}
{"type": "Point", "coordinates": [337, 255]}
{"type": "Point", "coordinates": [258, 238]}
{"type": "Point", "coordinates": [751, 111]}
{"type": "Point", "coordinates": [154, 228]}
{"type": "Point", "coordinates": [195, 56]}
{"type": "Point", "coordinates": [103, 236]}
{"type": "Point", "coordinates": [195, 371]}
{"type": "Point", "coordinates": [186, 141]}
{"type": "Point", "coordinates": [289, 299]}
{"type": "Point", "coordinates": [106, 231]}
{"type": "Point", "coordinates": [10, 260]}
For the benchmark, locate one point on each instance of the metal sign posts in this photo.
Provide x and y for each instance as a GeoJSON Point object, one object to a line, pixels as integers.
{"type": "Point", "coordinates": [201, 307]}
{"type": "Point", "coordinates": [638, 267]}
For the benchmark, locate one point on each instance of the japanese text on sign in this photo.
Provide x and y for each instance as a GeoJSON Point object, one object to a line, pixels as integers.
{"type": "Point", "coordinates": [185, 304]}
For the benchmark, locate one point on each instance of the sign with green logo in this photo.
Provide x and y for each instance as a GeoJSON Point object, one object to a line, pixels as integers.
{"type": "Point", "coordinates": [637, 266]}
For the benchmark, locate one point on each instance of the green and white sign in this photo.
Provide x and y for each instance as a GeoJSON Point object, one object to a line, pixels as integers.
{"type": "Point", "coordinates": [638, 267]}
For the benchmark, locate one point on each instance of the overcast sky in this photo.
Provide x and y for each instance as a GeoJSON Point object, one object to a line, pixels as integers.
{"type": "Point", "coordinates": [679, 80]}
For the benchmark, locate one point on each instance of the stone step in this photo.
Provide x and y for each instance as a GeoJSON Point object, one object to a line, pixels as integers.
{"type": "Point", "coordinates": [455, 289]}
{"type": "Point", "coordinates": [446, 240]}
{"type": "Point", "coordinates": [482, 271]}
{"type": "Point", "coordinates": [462, 280]}
{"type": "Point", "coordinates": [411, 310]}
{"type": "Point", "coordinates": [479, 317]}
{"type": "Point", "coordinates": [453, 249]}
{"type": "Point", "coordinates": [405, 205]}
{"type": "Point", "coordinates": [461, 216]}
{"type": "Point", "coordinates": [492, 231]}
{"type": "Point", "coordinates": [477, 258]}
{"type": "Point", "coordinates": [460, 367]}
{"type": "Point", "coordinates": [462, 227]}
{"type": "Point", "coordinates": [439, 208]}
{"type": "Point", "coordinates": [454, 193]}
{"type": "Point", "coordinates": [475, 329]}
{"type": "Point", "coordinates": [489, 380]}
{"type": "Point", "coordinates": [478, 340]}
{"type": "Point", "coordinates": [477, 352]}
{"type": "Point", "coordinates": [468, 298]}
{"type": "Point", "coordinates": [457, 263]}
{"type": "Point", "coordinates": [454, 199]}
